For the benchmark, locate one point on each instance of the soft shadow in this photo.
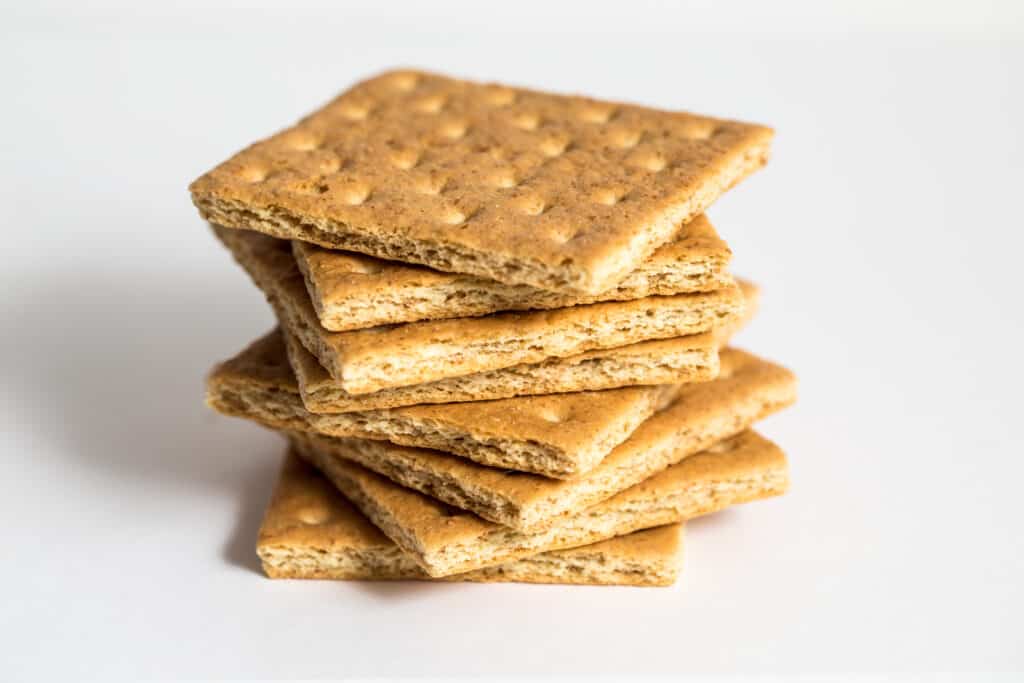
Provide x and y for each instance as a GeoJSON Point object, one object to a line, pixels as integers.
{"type": "Point", "coordinates": [708, 523]}
{"type": "Point", "coordinates": [405, 591]}
{"type": "Point", "coordinates": [254, 493]}
{"type": "Point", "coordinates": [108, 369]}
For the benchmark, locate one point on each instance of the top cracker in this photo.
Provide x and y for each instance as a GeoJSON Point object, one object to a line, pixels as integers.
{"type": "Point", "coordinates": [563, 193]}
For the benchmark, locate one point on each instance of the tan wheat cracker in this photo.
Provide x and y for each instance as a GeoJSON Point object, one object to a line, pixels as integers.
{"type": "Point", "coordinates": [369, 360]}
{"type": "Point", "coordinates": [311, 531]}
{"type": "Point", "coordinates": [693, 358]}
{"type": "Point", "coordinates": [352, 291]}
{"type": "Point", "coordinates": [680, 360]}
{"type": "Point", "coordinates": [561, 435]}
{"type": "Point", "coordinates": [557, 192]}
{"type": "Point", "coordinates": [747, 390]}
{"type": "Point", "coordinates": [445, 540]}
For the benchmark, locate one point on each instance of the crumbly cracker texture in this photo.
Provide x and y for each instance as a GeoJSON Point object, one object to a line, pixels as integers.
{"type": "Point", "coordinates": [310, 531]}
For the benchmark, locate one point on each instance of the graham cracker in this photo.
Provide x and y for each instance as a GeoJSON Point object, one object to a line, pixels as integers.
{"type": "Point", "coordinates": [681, 360]}
{"type": "Point", "coordinates": [376, 358]}
{"type": "Point", "coordinates": [561, 435]}
{"type": "Point", "coordinates": [747, 390]}
{"type": "Point", "coordinates": [557, 192]}
{"type": "Point", "coordinates": [446, 540]}
{"type": "Point", "coordinates": [311, 531]}
{"type": "Point", "coordinates": [352, 291]}
{"type": "Point", "coordinates": [693, 358]}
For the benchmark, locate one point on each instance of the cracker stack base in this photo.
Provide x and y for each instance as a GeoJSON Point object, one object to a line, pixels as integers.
{"type": "Point", "coordinates": [503, 344]}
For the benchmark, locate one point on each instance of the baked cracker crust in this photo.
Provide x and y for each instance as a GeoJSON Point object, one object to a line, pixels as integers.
{"type": "Point", "coordinates": [446, 540]}
{"type": "Point", "coordinates": [560, 435]}
{"type": "Point", "coordinates": [369, 360]}
{"type": "Point", "coordinates": [558, 192]}
{"type": "Point", "coordinates": [748, 390]}
{"type": "Point", "coordinates": [311, 531]}
{"type": "Point", "coordinates": [352, 291]}
{"type": "Point", "coordinates": [680, 360]}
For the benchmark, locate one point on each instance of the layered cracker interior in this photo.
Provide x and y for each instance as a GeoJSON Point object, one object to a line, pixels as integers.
{"type": "Point", "coordinates": [351, 291]}
{"type": "Point", "coordinates": [372, 359]}
{"type": "Point", "coordinates": [445, 540]}
{"type": "Point", "coordinates": [310, 531]}
{"type": "Point", "coordinates": [748, 390]}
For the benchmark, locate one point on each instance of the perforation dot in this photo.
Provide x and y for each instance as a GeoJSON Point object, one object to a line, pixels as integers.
{"type": "Point", "coordinates": [453, 217]}
{"type": "Point", "coordinates": [254, 174]}
{"type": "Point", "coordinates": [431, 104]}
{"type": "Point", "coordinates": [596, 115]}
{"type": "Point", "coordinates": [354, 196]}
{"type": "Point", "coordinates": [314, 515]}
{"type": "Point", "coordinates": [563, 235]}
{"type": "Point", "coordinates": [303, 142]}
{"type": "Point", "coordinates": [504, 180]}
{"type": "Point", "coordinates": [330, 164]}
{"type": "Point", "coordinates": [652, 163]}
{"type": "Point", "coordinates": [629, 140]}
{"type": "Point", "coordinates": [432, 186]}
{"type": "Point", "coordinates": [354, 112]}
{"type": "Point", "coordinates": [405, 159]}
{"type": "Point", "coordinates": [454, 131]}
{"type": "Point", "coordinates": [551, 415]}
{"type": "Point", "coordinates": [553, 147]}
{"type": "Point", "coordinates": [533, 206]}
{"type": "Point", "coordinates": [404, 82]}
{"type": "Point", "coordinates": [606, 197]}
{"type": "Point", "coordinates": [702, 130]}
{"type": "Point", "coordinates": [526, 121]}
{"type": "Point", "coordinates": [498, 96]}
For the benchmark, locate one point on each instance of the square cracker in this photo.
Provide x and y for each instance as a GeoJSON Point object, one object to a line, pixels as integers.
{"type": "Point", "coordinates": [311, 531]}
{"type": "Point", "coordinates": [680, 360]}
{"type": "Point", "coordinates": [747, 390]}
{"type": "Point", "coordinates": [561, 435]}
{"type": "Point", "coordinates": [561, 193]}
{"type": "Point", "coordinates": [351, 291]}
{"type": "Point", "coordinates": [445, 540]}
{"type": "Point", "coordinates": [378, 358]}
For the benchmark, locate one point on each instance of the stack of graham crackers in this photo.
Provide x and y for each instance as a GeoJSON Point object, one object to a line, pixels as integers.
{"type": "Point", "coordinates": [503, 325]}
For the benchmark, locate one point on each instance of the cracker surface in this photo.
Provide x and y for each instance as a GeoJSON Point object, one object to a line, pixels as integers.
{"type": "Point", "coordinates": [523, 187]}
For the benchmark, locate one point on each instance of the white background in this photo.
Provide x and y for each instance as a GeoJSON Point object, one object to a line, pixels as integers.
{"type": "Point", "coordinates": [886, 232]}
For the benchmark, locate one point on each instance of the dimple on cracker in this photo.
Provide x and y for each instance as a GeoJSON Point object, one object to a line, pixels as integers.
{"type": "Point", "coordinates": [352, 291]}
{"type": "Point", "coordinates": [445, 540]}
{"type": "Point", "coordinates": [369, 360]}
{"type": "Point", "coordinates": [311, 531]}
{"type": "Point", "coordinates": [561, 435]}
{"type": "Point", "coordinates": [558, 192]}
{"type": "Point", "coordinates": [748, 390]}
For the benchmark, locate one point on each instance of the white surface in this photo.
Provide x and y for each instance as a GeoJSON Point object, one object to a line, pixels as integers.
{"type": "Point", "coordinates": [886, 232]}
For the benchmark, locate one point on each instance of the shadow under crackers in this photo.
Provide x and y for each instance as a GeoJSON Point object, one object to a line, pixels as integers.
{"type": "Point", "coordinates": [109, 368]}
